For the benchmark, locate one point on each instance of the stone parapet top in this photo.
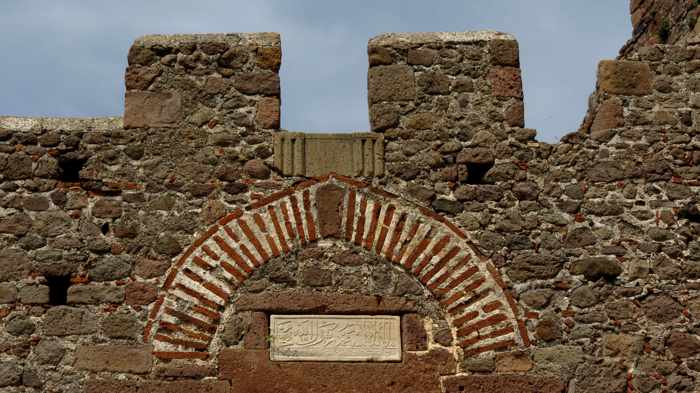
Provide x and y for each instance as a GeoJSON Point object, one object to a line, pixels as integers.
{"type": "Point", "coordinates": [390, 39]}
{"type": "Point", "coordinates": [262, 39]}
{"type": "Point", "coordinates": [17, 123]}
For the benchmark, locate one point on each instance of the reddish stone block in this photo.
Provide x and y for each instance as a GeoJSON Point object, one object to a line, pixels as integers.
{"type": "Point", "coordinates": [415, 338]}
{"type": "Point", "coordinates": [506, 82]}
{"type": "Point", "coordinates": [135, 359]}
{"type": "Point", "coordinates": [113, 386]}
{"type": "Point", "coordinates": [184, 369]}
{"type": "Point", "coordinates": [504, 383]}
{"type": "Point", "coordinates": [515, 114]}
{"type": "Point", "coordinates": [150, 109]}
{"type": "Point", "coordinates": [609, 116]}
{"type": "Point", "coordinates": [254, 372]}
{"type": "Point", "coordinates": [329, 202]}
{"type": "Point", "coordinates": [624, 77]}
{"type": "Point", "coordinates": [267, 113]}
{"type": "Point", "coordinates": [258, 332]}
{"type": "Point", "coordinates": [298, 300]}
{"type": "Point", "coordinates": [140, 294]}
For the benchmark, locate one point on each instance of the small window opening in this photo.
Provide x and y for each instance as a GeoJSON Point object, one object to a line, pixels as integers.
{"type": "Point", "coordinates": [690, 212]}
{"type": "Point", "coordinates": [70, 168]}
{"type": "Point", "coordinates": [58, 289]}
{"type": "Point", "coordinates": [477, 171]}
{"type": "Point", "coordinates": [105, 228]}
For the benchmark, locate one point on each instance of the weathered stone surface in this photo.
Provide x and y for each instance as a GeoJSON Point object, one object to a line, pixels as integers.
{"type": "Point", "coordinates": [68, 321]}
{"type": "Point", "coordinates": [415, 338]}
{"type": "Point", "coordinates": [8, 293]}
{"type": "Point", "coordinates": [15, 224]}
{"type": "Point", "coordinates": [151, 109]}
{"type": "Point", "coordinates": [422, 121]}
{"type": "Point", "coordinates": [504, 384]}
{"type": "Point", "coordinates": [121, 325]}
{"type": "Point", "coordinates": [114, 386]}
{"type": "Point", "coordinates": [19, 325]}
{"type": "Point", "coordinates": [506, 82]}
{"type": "Point", "coordinates": [529, 266]}
{"type": "Point", "coordinates": [515, 114]}
{"type": "Point", "coordinates": [259, 332]}
{"type": "Point", "coordinates": [34, 294]}
{"type": "Point", "coordinates": [391, 83]}
{"type": "Point", "coordinates": [513, 362]}
{"type": "Point", "coordinates": [134, 359]}
{"type": "Point", "coordinates": [609, 116]}
{"type": "Point", "coordinates": [603, 378]}
{"type": "Point", "coordinates": [107, 208]}
{"type": "Point", "coordinates": [95, 294]}
{"type": "Point", "coordinates": [252, 371]}
{"type": "Point", "coordinates": [257, 169]}
{"type": "Point", "coordinates": [140, 78]}
{"type": "Point", "coordinates": [434, 83]}
{"type": "Point", "coordinates": [269, 57]}
{"type": "Point", "coordinates": [110, 268]}
{"type": "Point", "coordinates": [383, 116]}
{"type": "Point", "coordinates": [623, 345]}
{"type": "Point", "coordinates": [475, 155]}
{"type": "Point", "coordinates": [258, 82]}
{"type": "Point", "coordinates": [140, 293]}
{"type": "Point", "coordinates": [683, 345]}
{"type": "Point", "coordinates": [184, 369]}
{"type": "Point", "coordinates": [662, 309]}
{"type": "Point", "coordinates": [299, 301]}
{"type": "Point", "coordinates": [505, 53]}
{"type": "Point", "coordinates": [10, 374]}
{"type": "Point", "coordinates": [14, 264]}
{"type": "Point", "coordinates": [267, 113]}
{"type": "Point", "coordinates": [421, 56]}
{"type": "Point", "coordinates": [579, 237]}
{"type": "Point", "coordinates": [19, 166]}
{"type": "Point", "coordinates": [584, 297]}
{"type": "Point", "coordinates": [596, 268]}
{"type": "Point", "coordinates": [443, 205]}
{"type": "Point", "coordinates": [624, 77]}
{"type": "Point", "coordinates": [49, 351]}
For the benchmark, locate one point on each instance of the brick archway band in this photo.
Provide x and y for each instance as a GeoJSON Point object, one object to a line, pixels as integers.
{"type": "Point", "coordinates": [203, 280]}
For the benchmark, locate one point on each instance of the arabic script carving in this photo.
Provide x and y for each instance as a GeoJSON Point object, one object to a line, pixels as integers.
{"type": "Point", "coordinates": [335, 338]}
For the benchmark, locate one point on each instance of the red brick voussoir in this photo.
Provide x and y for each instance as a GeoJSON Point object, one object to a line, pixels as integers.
{"type": "Point", "coordinates": [424, 243]}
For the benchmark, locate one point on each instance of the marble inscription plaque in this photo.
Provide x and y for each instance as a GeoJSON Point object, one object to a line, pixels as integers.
{"type": "Point", "coordinates": [335, 338]}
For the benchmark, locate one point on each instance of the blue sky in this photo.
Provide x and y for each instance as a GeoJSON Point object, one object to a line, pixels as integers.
{"type": "Point", "coordinates": [67, 58]}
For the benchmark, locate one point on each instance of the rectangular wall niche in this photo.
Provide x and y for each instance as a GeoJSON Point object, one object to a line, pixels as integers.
{"type": "Point", "coordinates": [335, 338]}
{"type": "Point", "coordinates": [299, 154]}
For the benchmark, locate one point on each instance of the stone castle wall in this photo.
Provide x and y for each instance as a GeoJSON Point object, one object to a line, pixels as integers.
{"type": "Point", "coordinates": [145, 254]}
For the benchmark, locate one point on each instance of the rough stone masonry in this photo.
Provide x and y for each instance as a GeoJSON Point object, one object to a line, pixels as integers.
{"type": "Point", "coordinates": [147, 254]}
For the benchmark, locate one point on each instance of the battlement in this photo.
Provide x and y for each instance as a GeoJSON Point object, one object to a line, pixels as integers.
{"type": "Point", "coordinates": [153, 252]}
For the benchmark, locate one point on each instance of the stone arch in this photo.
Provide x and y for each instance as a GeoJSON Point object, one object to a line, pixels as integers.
{"type": "Point", "coordinates": [481, 311]}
